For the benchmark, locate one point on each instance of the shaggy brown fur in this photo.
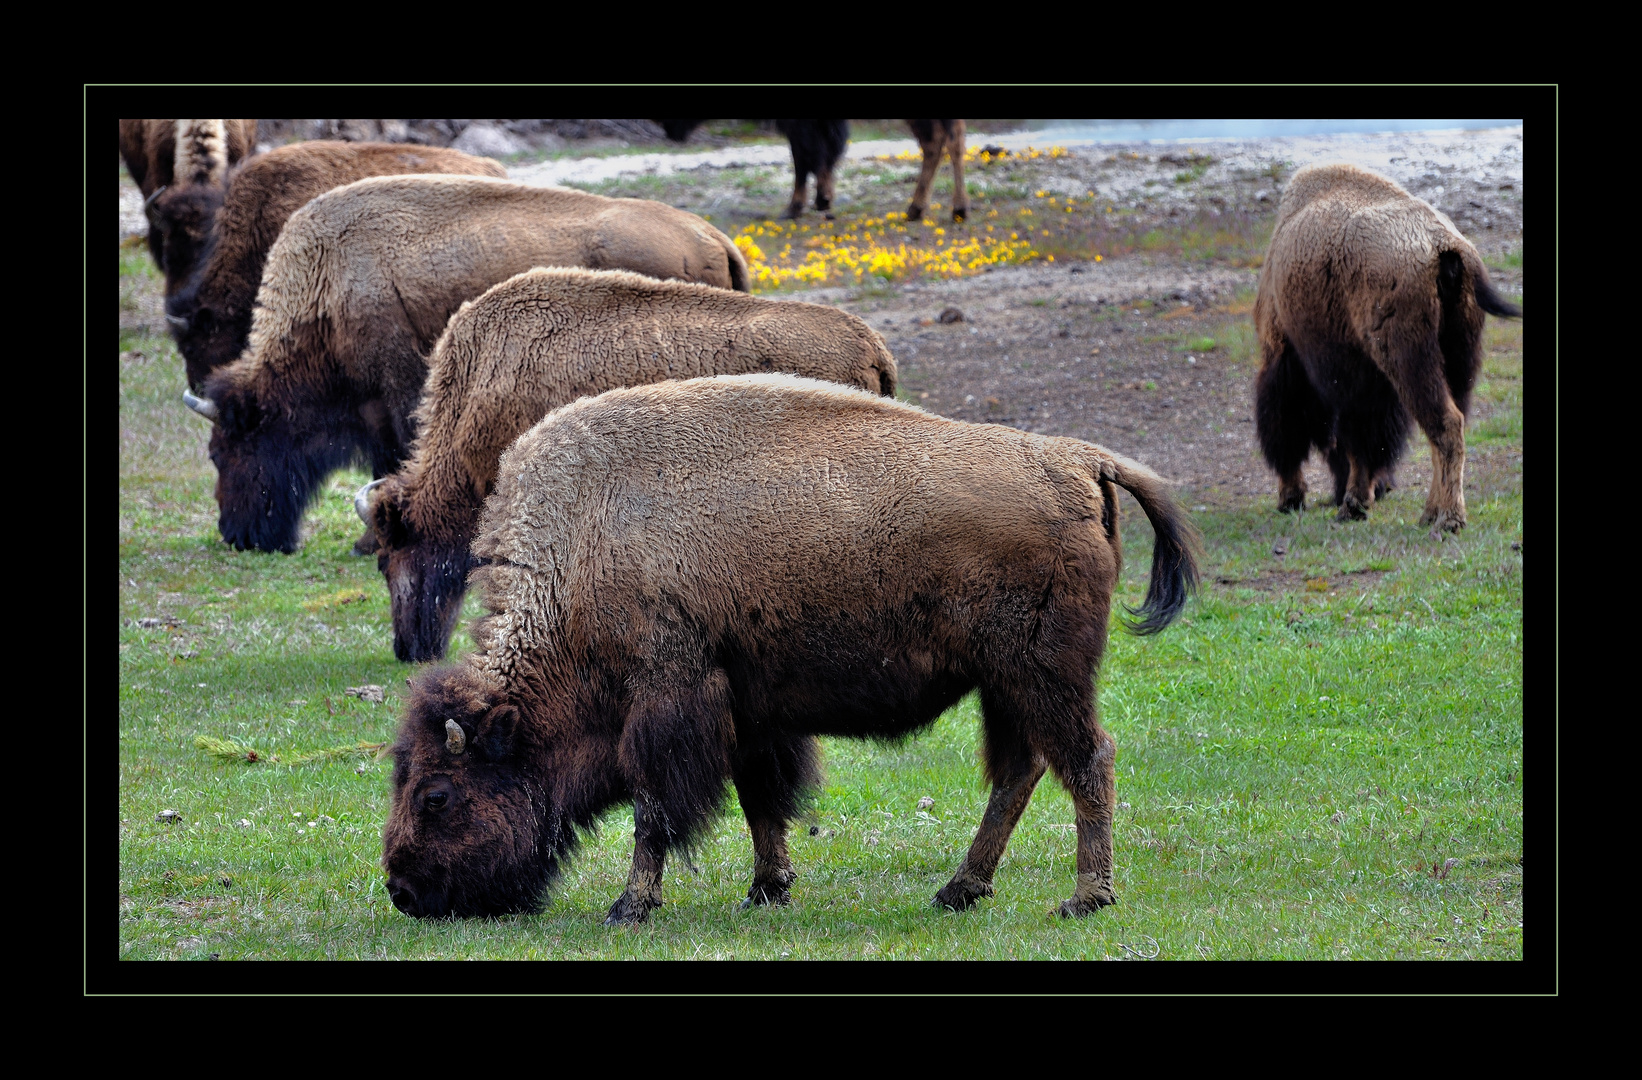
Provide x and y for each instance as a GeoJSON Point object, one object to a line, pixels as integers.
{"type": "Point", "coordinates": [180, 166]}
{"type": "Point", "coordinates": [210, 315]}
{"type": "Point", "coordinates": [1370, 310]}
{"type": "Point", "coordinates": [356, 291]}
{"type": "Point", "coordinates": [937, 137]}
{"type": "Point", "coordinates": [542, 340]}
{"type": "Point", "coordinates": [689, 581]}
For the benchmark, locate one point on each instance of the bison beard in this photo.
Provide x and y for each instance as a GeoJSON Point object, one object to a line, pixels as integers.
{"type": "Point", "coordinates": [619, 666]}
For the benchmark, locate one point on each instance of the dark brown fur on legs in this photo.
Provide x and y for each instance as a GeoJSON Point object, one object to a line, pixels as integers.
{"type": "Point", "coordinates": [973, 879]}
{"type": "Point", "coordinates": [817, 148]}
{"type": "Point", "coordinates": [1370, 314]}
{"type": "Point", "coordinates": [935, 138]}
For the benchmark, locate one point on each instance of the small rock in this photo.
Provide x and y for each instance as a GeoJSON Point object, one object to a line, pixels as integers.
{"type": "Point", "coordinates": [925, 803]}
{"type": "Point", "coordinates": [1516, 545]}
{"type": "Point", "coordinates": [170, 817]}
{"type": "Point", "coordinates": [244, 823]}
{"type": "Point", "coordinates": [1262, 196]}
{"type": "Point", "coordinates": [952, 315]}
{"type": "Point", "coordinates": [487, 140]}
{"type": "Point", "coordinates": [1281, 547]}
{"type": "Point", "coordinates": [1077, 270]}
{"type": "Point", "coordinates": [1339, 816]}
{"type": "Point", "coordinates": [815, 830]}
{"type": "Point", "coordinates": [369, 692]}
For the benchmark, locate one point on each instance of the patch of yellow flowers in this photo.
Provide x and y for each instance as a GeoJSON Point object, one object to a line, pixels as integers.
{"type": "Point", "coordinates": [972, 154]}
{"type": "Point", "coordinates": [848, 252]}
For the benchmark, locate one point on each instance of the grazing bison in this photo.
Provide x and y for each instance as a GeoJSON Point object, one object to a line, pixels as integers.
{"type": "Point", "coordinates": [357, 289]}
{"type": "Point", "coordinates": [210, 315]}
{"type": "Point", "coordinates": [689, 581]}
{"type": "Point", "coordinates": [180, 166]}
{"type": "Point", "coordinates": [818, 146]}
{"type": "Point", "coordinates": [542, 340]}
{"type": "Point", "coordinates": [1370, 310]}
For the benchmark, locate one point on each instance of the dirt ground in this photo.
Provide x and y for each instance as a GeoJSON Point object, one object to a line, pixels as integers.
{"type": "Point", "coordinates": [1151, 355]}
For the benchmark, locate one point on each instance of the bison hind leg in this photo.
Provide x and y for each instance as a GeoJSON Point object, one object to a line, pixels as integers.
{"type": "Point", "coordinates": [1288, 419]}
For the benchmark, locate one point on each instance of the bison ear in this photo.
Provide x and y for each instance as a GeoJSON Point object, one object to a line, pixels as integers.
{"type": "Point", "coordinates": [496, 730]}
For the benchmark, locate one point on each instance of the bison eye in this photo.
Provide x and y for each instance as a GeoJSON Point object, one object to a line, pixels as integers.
{"type": "Point", "coordinates": [436, 800]}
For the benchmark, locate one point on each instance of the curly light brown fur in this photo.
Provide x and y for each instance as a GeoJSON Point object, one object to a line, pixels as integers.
{"type": "Point", "coordinates": [356, 291]}
{"type": "Point", "coordinates": [541, 340]}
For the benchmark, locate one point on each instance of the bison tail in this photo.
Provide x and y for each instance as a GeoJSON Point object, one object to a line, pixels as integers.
{"type": "Point", "coordinates": [1450, 275]}
{"type": "Point", "coordinates": [740, 279]}
{"type": "Point", "coordinates": [1174, 550]}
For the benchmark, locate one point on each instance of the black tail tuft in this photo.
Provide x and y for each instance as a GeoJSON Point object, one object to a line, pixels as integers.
{"type": "Point", "coordinates": [1175, 549]}
{"type": "Point", "coordinates": [1492, 302]}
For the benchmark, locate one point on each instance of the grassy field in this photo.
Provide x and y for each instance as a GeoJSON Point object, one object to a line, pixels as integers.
{"type": "Point", "coordinates": [1322, 760]}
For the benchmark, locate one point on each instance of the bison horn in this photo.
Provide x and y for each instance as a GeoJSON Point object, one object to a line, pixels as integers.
{"type": "Point", "coordinates": [204, 406]}
{"type": "Point", "coordinates": [362, 499]}
{"type": "Point", "coordinates": [150, 200]}
{"type": "Point", "coordinates": [455, 740]}
{"type": "Point", "coordinates": [177, 322]}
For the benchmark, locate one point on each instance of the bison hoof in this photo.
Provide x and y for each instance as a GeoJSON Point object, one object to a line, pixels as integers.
{"type": "Point", "coordinates": [959, 213]}
{"type": "Point", "coordinates": [794, 212]}
{"type": "Point", "coordinates": [1384, 486]}
{"type": "Point", "coordinates": [1079, 906]}
{"type": "Point", "coordinates": [1442, 520]}
{"type": "Point", "coordinates": [1290, 504]}
{"type": "Point", "coordinates": [771, 895]}
{"type": "Point", "coordinates": [914, 213]}
{"type": "Point", "coordinates": [1351, 510]}
{"type": "Point", "coordinates": [629, 911]}
{"type": "Point", "coordinates": [961, 893]}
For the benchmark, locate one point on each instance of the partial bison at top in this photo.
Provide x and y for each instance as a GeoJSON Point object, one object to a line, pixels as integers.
{"type": "Point", "coordinates": [1370, 309]}
{"type": "Point", "coordinates": [357, 289]}
{"type": "Point", "coordinates": [181, 167]}
{"type": "Point", "coordinates": [542, 340]}
{"type": "Point", "coordinates": [689, 581]}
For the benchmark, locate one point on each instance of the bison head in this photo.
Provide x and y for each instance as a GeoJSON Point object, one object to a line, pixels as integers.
{"type": "Point", "coordinates": [426, 574]}
{"type": "Point", "coordinates": [468, 833]}
{"type": "Point", "coordinates": [180, 221]}
{"type": "Point", "coordinates": [270, 461]}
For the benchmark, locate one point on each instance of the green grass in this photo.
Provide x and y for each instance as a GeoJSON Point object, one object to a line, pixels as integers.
{"type": "Point", "coordinates": [1322, 759]}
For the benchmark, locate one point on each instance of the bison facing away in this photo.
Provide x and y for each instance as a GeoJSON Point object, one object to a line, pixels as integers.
{"type": "Point", "coordinates": [210, 314]}
{"type": "Point", "coordinates": [542, 340]}
{"type": "Point", "coordinates": [1370, 310]}
{"type": "Point", "coordinates": [688, 581]}
{"type": "Point", "coordinates": [356, 291]}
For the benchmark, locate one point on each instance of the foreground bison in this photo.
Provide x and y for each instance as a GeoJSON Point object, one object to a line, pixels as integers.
{"type": "Point", "coordinates": [357, 289]}
{"type": "Point", "coordinates": [181, 166]}
{"type": "Point", "coordinates": [689, 581]}
{"type": "Point", "coordinates": [1370, 309]}
{"type": "Point", "coordinates": [544, 339]}
{"type": "Point", "coordinates": [210, 314]}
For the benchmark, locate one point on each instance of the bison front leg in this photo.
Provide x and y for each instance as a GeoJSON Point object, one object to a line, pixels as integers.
{"type": "Point", "coordinates": [1003, 811]}
{"type": "Point", "coordinates": [824, 191]}
{"type": "Point", "coordinates": [800, 183]}
{"type": "Point", "coordinates": [773, 874]}
{"type": "Point", "coordinates": [770, 780]}
{"type": "Point", "coordinates": [643, 891]}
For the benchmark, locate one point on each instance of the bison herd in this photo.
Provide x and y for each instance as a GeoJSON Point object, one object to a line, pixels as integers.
{"type": "Point", "coordinates": [704, 530]}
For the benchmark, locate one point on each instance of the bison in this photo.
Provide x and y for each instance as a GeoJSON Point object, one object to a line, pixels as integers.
{"type": "Point", "coordinates": [180, 166]}
{"type": "Point", "coordinates": [818, 146]}
{"type": "Point", "coordinates": [539, 341]}
{"type": "Point", "coordinates": [357, 289]}
{"type": "Point", "coordinates": [1369, 311]}
{"type": "Point", "coordinates": [689, 581]}
{"type": "Point", "coordinates": [210, 314]}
